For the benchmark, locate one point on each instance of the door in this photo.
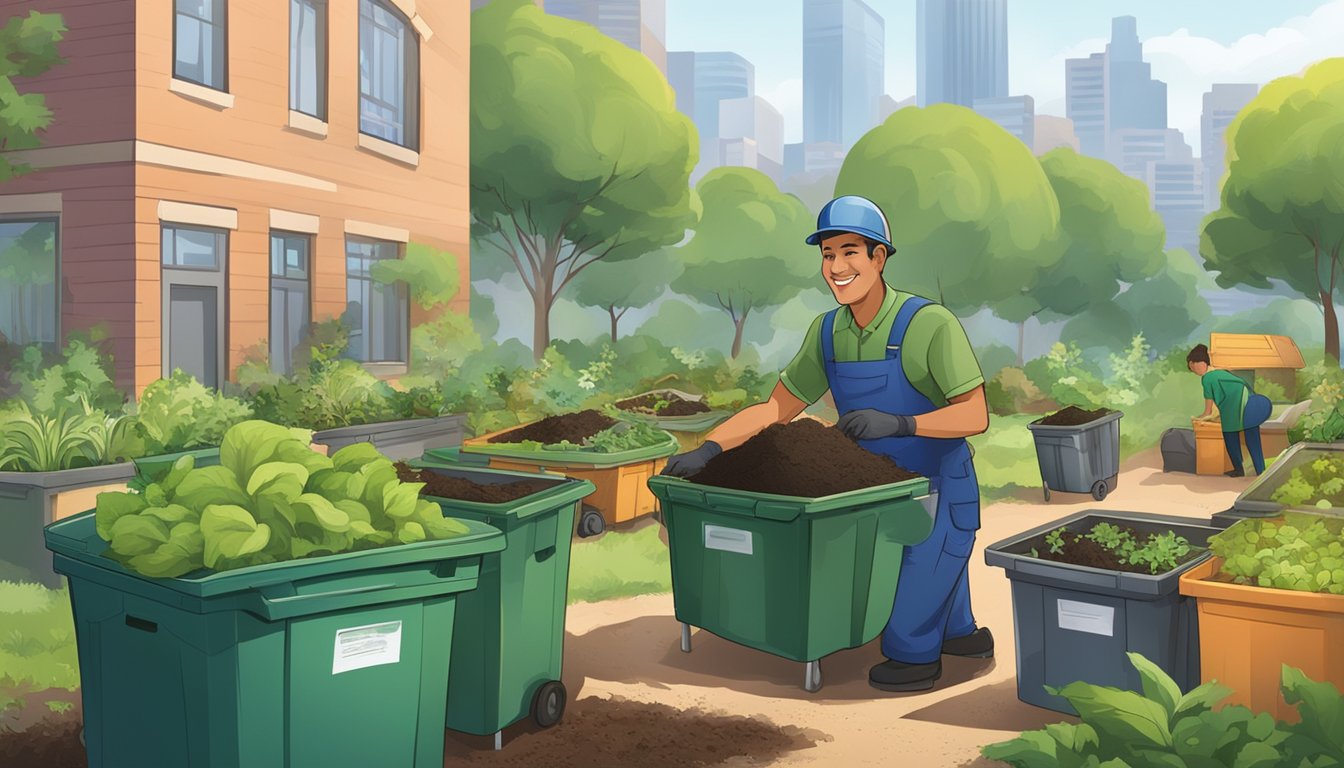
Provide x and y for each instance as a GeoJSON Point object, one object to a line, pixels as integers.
{"type": "Point", "coordinates": [194, 301]}
{"type": "Point", "coordinates": [193, 331]}
{"type": "Point", "coordinates": [290, 303]}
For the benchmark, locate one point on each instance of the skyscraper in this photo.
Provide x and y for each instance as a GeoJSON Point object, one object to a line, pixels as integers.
{"type": "Point", "coordinates": [1178, 197]}
{"type": "Point", "coordinates": [702, 81]}
{"type": "Point", "coordinates": [753, 119]}
{"type": "Point", "coordinates": [962, 51]}
{"type": "Point", "coordinates": [639, 24]}
{"type": "Point", "coordinates": [1222, 104]}
{"type": "Point", "coordinates": [1016, 114]}
{"type": "Point", "coordinates": [1113, 90]}
{"type": "Point", "coordinates": [843, 58]}
{"type": "Point", "coordinates": [1085, 102]}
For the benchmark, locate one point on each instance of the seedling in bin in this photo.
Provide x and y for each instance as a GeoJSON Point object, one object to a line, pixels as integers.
{"type": "Point", "coordinates": [1055, 539]}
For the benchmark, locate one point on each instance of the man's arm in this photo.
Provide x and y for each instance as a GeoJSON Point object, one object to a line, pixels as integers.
{"type": "Point", "coordinates": [782, 407]}
{"type": "Point", "coordinates": [965, 415]}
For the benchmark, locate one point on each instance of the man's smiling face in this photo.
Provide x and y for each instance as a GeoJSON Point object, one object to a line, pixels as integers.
{"type": "Point", "coordinates": [849, 270]}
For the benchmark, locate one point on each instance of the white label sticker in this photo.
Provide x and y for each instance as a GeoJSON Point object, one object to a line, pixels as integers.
{"type": "Point", "coordinates": [727, 539]}
{"type": "Point", "coordinates": [1087, 617]}
{"type": "Point", "coordinates": [369, 646]}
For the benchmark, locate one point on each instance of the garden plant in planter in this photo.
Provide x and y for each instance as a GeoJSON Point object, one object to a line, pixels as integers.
{"type": "Point", "coordinates": [1273, 594]}
{"type": "Point", "coordinates": [689, 417]}
{"type": "Point", "coordinates": [275, 575]}
{"type": "Point", "coordinates": [1094, 586]}
{"type": "Point", "coordinates": [179, 415]}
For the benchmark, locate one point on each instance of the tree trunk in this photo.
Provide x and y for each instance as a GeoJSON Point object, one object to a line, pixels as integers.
{"type": "Point", "coordinates": [615, 318]}
{"type": "Point", "coordinates": [1021, 343]}
{"type": "Point", "coordinates": [541, 323]}
{"type": "Point", "coordinates": [740, 323]}
{"type": "Point", "coordinates": [1331, 327]}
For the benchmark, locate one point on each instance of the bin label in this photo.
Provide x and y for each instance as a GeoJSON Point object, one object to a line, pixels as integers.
{"type": "Point", "coordinates": [367, 646]}
{"type": "Point", "coordinates": [727, 539]}
{"type": "Point", "coordinates": [1087, 617]}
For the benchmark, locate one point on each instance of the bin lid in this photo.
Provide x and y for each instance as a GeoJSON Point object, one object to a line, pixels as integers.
{"type": "Point", "coordinates": [1251, 351]}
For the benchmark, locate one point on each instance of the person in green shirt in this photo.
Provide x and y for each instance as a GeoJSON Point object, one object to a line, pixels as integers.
{"type": "Point", "coordinates": [1231, 395]}
{"type": "Point", "coordinates": [907, 386]}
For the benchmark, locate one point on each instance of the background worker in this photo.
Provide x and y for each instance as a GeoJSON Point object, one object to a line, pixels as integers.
{"type": "Point", "coordinates": [907, 385]}
{"type": "Point", "coordinates": [1240, 410]}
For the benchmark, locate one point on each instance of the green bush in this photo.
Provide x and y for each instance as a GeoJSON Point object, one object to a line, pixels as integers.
{"type": "Point", "coordinates": [994, 358]}
{"type": "Point", "coordinates": [180, 414]}
{"type": "Point", "coordinates": [1010, 391]}
{"type": "Point", "coordinates": [79, 374]}
{"type": "Point", "coordinates": [1163, 727]}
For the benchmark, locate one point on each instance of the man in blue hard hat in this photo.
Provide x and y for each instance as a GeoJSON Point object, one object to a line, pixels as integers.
{"type": "Point", "coordinates": [907, 385]}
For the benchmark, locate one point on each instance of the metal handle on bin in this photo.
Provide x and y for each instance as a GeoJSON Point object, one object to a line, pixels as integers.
{"type": "Point", "coordinates": [930, 504]}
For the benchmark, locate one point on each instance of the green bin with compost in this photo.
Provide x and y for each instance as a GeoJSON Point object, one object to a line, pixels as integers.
{"type": "Point", "coordinates": [283, 609]}
{"type": "Point", "coordinates": [779, 551]}
{"type": "Point", "coordinates": [508, 640]}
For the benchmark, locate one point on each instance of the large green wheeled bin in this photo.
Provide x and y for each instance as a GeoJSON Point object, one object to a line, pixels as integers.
{"type": "Point", "coordinates": [508, 643]}
{"type": "Point", "coordinates": [321, 662]}
{"type": "Point", "coordinates": [796, 577]}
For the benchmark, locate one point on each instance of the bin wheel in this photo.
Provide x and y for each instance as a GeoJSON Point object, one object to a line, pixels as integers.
{"type": "Point", "coordinates": [812, 677]}
{"type": "Point", "coordinates": [549, 705]}
{"type": "Point", "coordinates": [1099, 490]}
{"type": "Point", "coordinates": [591, 523]}
{"type": "Point", "coordinates": [1046, 490]}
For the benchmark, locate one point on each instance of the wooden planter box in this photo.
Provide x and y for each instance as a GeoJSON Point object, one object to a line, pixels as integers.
{"type": "Point", "coordinates": [1246, 635]}
{"type": "Point", "coordinates": [30, 501]}
{"type": "Point", "coordinates": [398, 439]}
{"type": "Point", "coordinates": [1211, 453]}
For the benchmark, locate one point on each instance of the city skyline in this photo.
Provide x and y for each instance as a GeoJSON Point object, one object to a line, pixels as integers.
{"type": "Point", "coordinates": [1190, 46]}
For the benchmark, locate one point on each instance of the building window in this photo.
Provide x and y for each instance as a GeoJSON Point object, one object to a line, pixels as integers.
{"type": "Point", "coordinates": [389, 75]}
{"type": "Point", "coordinates": [29, 313]}
{"type": "Point", "coordinates": [199, 43]}
{"type": "Point", "coordinates": [194, 306]}
{"type": "Point", "coordinates": [308, 57]}
{"type": "Point", "coordinates": [376, 314]}
{"type": "Point", "coordinates": [290, 313]}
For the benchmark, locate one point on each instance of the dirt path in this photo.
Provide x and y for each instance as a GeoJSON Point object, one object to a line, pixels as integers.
{"type": "Point", "coordinates": [622, 656]}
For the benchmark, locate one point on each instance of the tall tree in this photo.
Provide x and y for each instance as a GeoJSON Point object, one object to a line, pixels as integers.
{"type": "Point", "coordinates": [1282, 213]}
{"type": "Point", "coordinates": [748, 252]}
{"type": "Point", "coordinates": [27, 49]}
{"type": "Point", "coordinates": [972, 215]}
{"type": "Point", "coordinates": [619, 286]}
{"type": "Point", "coordinates": [578, 153]}
{"type": "Point", "coordinates": [1109, 235]}
{"type": "Point", "coordinates": [1167, 307]}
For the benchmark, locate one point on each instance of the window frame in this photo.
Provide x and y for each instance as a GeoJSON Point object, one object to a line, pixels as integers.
{"type": "Point", "coordinates": [55, 219]}
{"type": "Point", "coordinates": [288, 283]}
{"type": "Point", "coordinates": [216, 277]}
{"type": "Point", "coordinates": [403, 295]}
{"type": "Point", "coordinates": [223, 24]}
{"type": "Point", "coordinates": [322, 42]}
{"type": "Point", "coordinates": [410, 86]}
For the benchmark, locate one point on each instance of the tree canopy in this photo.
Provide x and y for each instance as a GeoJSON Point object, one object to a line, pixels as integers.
{"type": "Point", "coordinates": [619, 286]}
{"type": "Point", "coordinates": [27, 49]}
{"type": "Point", "coordinates": [1167, 307]}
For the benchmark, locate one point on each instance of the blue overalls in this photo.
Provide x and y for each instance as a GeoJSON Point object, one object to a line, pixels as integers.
{"type": "Point", "coordinates": [933, 598]}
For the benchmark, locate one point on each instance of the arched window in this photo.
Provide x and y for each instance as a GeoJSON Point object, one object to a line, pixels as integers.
{"type": "Point", "coordinates": [389, 75]}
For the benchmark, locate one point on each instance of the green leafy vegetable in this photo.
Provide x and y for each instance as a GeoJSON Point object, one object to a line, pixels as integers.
{"type": "Point", "coordinates": [1298, 551]}
{"type": "Point", "coordinates": [1318, 483]}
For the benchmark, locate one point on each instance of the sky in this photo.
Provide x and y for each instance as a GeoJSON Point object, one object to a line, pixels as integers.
{"type": "Point", "coordinates": [1191, 44]}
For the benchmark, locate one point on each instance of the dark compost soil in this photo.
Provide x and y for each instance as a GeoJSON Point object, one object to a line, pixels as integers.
{"type": "Point", "coordinates": [462, 489]}
{"type": "Point", "coordinates": [1085, 552]}
{"type": "Point", "coordinates": [801, 458]}
{"type": "Point", "coordinates": [574, 427]}
{"type": "Point", "coordinates": [51, 743]}
{"type": "Point", "coordinates": [1072, 416]}
{"type": "Point", "coordinates": [675, 406]}
{"type": "Point", "coordinates": [618, 733]}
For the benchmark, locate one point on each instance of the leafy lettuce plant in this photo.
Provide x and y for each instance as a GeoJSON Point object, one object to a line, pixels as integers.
{"type": "Point", "coordinates": [1163, 727]}
{"type": "Point", "coordinates": [1299, 551]}
{"type": "Point", "coordinates": [272, 498]}
{"type": "Point", "coordinates": [179, 413]}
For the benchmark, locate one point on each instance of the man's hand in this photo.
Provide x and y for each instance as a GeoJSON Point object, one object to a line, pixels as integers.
{"type": "Point", "coordinates": [871, 424]}
{"type": "Point", "coordinates": [691, 462]}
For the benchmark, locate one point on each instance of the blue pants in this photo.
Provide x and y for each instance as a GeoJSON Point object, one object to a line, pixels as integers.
{"type": "Point", "coordinates": [1233, 442]}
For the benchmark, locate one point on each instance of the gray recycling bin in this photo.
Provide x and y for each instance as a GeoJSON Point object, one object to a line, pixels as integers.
{"type": "Point", "coordinates": [1079, 459]}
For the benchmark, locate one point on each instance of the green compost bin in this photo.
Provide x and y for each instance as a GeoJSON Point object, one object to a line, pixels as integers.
{"type": "Point", "coordinates": [508, 640]}
{"type": "Point", "coordinates": [330, 661]}
{"type": "Point", "coordinates": [796, 577]}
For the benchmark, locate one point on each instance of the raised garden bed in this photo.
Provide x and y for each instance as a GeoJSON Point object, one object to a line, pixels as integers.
{"type": "Point", "coordinates": [407, 439]}
{"type": "Point", "coordinates": [572, 428]}
{"type": "Point", "coordinates": [1078, 610]}
{"type": "Point", "coordinates": [783, 460]}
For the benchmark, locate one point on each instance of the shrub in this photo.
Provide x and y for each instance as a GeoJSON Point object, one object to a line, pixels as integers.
{"type": "Point", "coordinates": [338, 393]}
{"type": "Point", "coordinates": [179, 413]}
{"type": "Point", "coordinates": [995, 358]}
{"type": "Point", "coordinates": [1011, 391]}
{"type": "Point", "coordinates": [79, 373]}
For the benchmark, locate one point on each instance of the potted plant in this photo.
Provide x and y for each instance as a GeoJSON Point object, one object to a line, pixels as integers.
{"type": "Point", "coordinates": [1094, 586]}
{"type": "Point", "coordinates": [1273, 594]}
{"type": "Point", "coordinates": [178, 416]}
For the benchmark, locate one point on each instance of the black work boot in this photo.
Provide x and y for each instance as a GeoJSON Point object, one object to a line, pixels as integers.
{"type": "Point", "coordinates": [977, 645]}
{"type": "Point", "coordinates": [1236, 473]}
{"type": "Point", "coordinates": [897, 676]}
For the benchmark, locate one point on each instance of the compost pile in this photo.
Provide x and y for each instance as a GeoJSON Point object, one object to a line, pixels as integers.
{"type": "Point", "coordinates": [1072, 416]}
{"type": "Point", "coordinates": [801, 458]}
{"type": "Point", "coordinates": [462, 489]}
{"type": "Point", "coordinates": [51, 743]}
{"type": "Point", "coordinates": [675, 406]}
{"type": "Point", "coordinates": [568, 427]}
{"type": "Point", "coordinates": [1114, 548]}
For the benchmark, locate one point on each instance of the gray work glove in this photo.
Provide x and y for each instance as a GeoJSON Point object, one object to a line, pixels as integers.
{"type": "Point", "coordinates": [691, 462]}
{"type": "Point", "coordinates": [871, 424]}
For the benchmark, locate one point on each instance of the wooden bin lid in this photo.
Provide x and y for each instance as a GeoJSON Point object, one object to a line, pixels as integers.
{"type": "Point", "coordinates": [1251, 351]}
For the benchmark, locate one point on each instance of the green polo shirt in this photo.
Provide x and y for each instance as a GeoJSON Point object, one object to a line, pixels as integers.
{"type": "Point", "coordinates": [1229, 393]}
{"type": "Point", "coordinates": [936, 355]}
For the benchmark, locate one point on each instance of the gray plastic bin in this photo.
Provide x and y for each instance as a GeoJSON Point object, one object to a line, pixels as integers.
{"type": "Point", "coordinates": [399, 439]}
{"type": "Point", "coordinates": [1079, 459]}
{"type": "Point", "coordinates": [1077, 623]}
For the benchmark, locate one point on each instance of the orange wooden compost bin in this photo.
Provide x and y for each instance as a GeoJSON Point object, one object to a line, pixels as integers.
{"type": "Point", "coordinates": [1247, 634]}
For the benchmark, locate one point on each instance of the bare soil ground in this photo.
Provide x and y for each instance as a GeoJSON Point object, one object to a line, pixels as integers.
{"type": "Point", "coordinates": [625, 653]}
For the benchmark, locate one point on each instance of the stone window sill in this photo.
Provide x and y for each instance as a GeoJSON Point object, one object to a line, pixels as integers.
{"type": "Point", "coordinates": [199, 93]}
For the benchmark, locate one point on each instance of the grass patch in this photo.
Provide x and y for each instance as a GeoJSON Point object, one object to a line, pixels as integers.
{"type": "Point", "coordinates": [619, 564]}
{"type": "Point", "coordinates": [37, 641]}
{"type": "Point", "coordinates": [1005, 458]}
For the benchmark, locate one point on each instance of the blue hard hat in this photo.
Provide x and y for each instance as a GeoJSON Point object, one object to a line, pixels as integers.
{"type": "Point", "coordinates": [852, 213]}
